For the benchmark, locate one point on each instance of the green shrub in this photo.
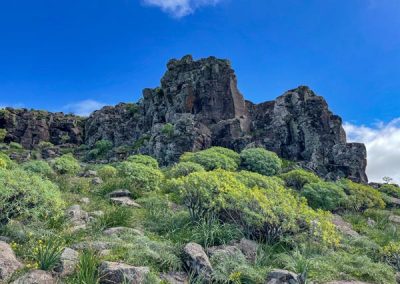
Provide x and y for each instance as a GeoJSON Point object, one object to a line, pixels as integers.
{"type": "Point", "coordinates": [168, 130]}
{"type": "Point", "coordinates": [391, 254]}
{"type": "Point", "coordinates": [106, 172]}
{"type": "Point", "coordinates": [45, 145]}
{"type": "Point", "coordinates": [39, 167]}
{"type": "Point", "coordinates": [67, 165]}
{"type": "Point", "coordinates": [140, 178]}
{"type": "Point", "coordinates": [390, 189]}
{"type": "Point", "coordinates": [261, 213]}
{"type": "Point", "coordinates": [324, 195]}
{"type": "Point", "coordinates": [360, 196]}
{"type": "Point", "coordinates": [26, 195]}
{"type": "Point", "coordinates": [227, 152]}
{"type": "Point", "coordinates": [15, 145]}
{"type": "Point", "coordinates": [251, 179]}
{"type": "Point", "coordinates": [115, 217]}
{"type": "Point", "coordinates": [210, 159]}
{"type": "Point", "coordinates": [298, 178]}
{"type": "Point", "coordinates": [74, 184]}
{"type": "Point", "coordinates": [3, 134]}
{"type": "Point", "coordinates": [5, 161]}
{"type": "Point", "coordinates": [144, 160]}
{"type": "Point", "coordinates": [183, 169]}
{"type": "Point", "coordinates": [260, 161]}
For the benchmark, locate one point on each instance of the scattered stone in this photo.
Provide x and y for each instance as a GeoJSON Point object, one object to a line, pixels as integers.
{"type": "Point", "coordinates": [68, 262]}
{"type": "Point", "coordinates": [371, 222]}
{"type": "Point", "coordinates": [78, 217]}
{"type": "Point", "coordinates": [36, 277]}
{"type": "Point", "coordinates": [90, 173]}
{"type": "Point", "coordinates": [115, 273]}
{"type": "Point", "coordinates": [85, 200]}
{"type": "Point", "coordinates": [344, 227]}
{"type": "Point", "coordinates": [279, 276]}
{"type": "Point", "coordinates": [392, 201]}
{"type": "Point", "coordinates": [249, 248]}
{"type": "Point", "coordinates": [175, 277]}
{"type": "Point", "coordinates": [120, 193]}
{"type": "Point", "coordinates": [118, 231]}
{"type": "Point", "coordinates": [224, 249]}
{"type": "Point", "coordinates": [125, 201]}
{"type": "Point", "coordinates": [8, 262]}
{"type": "Point", "coordinates": [197, 260]}
{"type": "Point", "coordinates": [394, 219]}
{"type": "Point", "coordinates": [97, 181]}
{"type": "Point", "coordinates": [97, 213]}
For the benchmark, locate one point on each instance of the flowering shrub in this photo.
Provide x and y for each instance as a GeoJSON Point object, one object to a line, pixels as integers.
{"type": "Point", "coordinates": [106, 172]}
{"type": "Point", "coordinates": [67, 164]}
{"type": "Point", "coordinates": [261, 212]}
{"type": "Point", "coordinates": [391, 254]}
{"type": "Point", "coordinates": [260, 161]}
{"type": "Point", "coordinates": [360, 196]}
{"type": "Point", "coordinates": [27, 195]}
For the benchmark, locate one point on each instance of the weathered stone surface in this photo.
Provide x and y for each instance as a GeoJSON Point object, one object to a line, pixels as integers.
{"type": "Point", "coordinates": [68, 262]}
{"type": "Point", "coordinates": [120, 193]}
{"type": "Point", "coordinates": [29, 127]}
{"type": "Point", "coordinates": [175, 277]}
{"type": "Point", "coordinates": [77, 217]}
{"type": "Point", "coordinates": [223, 250]}
{"type": "Point", "coordinates": [344, 227]}
{"type": "Point", "coordinates": [198, 105]}
{"type": "Point", "coordinates": [113, 272]}
{"type": "Point", "coordinates": [125, 201]}
{"type": "Point", "coordinates": [394, 219]}
{"type": "Point", "coordinates": [279, 276]}
{"type": "Point", "coordinates": [197, 260]}
{"type": "Point", "coordinates": [249, 248]}
{"type": "Point", "coordinates": [8, 262]}
{"type": "Point", "coordinates": [36, 277]}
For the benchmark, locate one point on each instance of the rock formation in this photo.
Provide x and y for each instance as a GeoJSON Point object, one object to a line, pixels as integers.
{"type": "Point", "coordinates": [198, 105]}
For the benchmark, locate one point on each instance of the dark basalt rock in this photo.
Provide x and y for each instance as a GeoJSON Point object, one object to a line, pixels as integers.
{"type": "Point", "coordinates": [198, 105]}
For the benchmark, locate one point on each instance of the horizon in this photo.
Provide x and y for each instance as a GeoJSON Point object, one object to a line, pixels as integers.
{"type": "Point", "coordinates": [77, 57]}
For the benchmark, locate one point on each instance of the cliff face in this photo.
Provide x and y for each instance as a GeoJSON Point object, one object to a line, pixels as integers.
{"type": "Point", "coordinates": [198, 105]}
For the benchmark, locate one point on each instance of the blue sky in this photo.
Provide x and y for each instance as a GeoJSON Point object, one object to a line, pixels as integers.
{"type": "Point", "coordinates": [57, 54]}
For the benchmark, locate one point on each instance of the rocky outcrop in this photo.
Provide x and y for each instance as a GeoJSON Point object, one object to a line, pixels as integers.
{"type": "Point", "coordinates": [118, 273]}
{"type": "Point", "coordinates": [36, 277]}
{"type": "Point", "coordinates": [30, 127]}
{"type": "Point", "coordinates": [198, 105]}
{"type": "Point", "coordinates": [8, 262]}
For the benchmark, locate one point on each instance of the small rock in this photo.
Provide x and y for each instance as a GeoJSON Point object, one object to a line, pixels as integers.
{"type": "Point", "coordinates": [115, 273]}
{"type": "Point", "coordinates": [371, 222]}
{"type": "Point", "coordinates": [279, 276]}
{"type": "Point", "coordinates": [118, 231]}
{"type": "Point", "coordinates": [36, 277]}
{"type": "Point", "coordinates": [97, 181]}
{"type": "Point", "coordinates": [125, 201]}
{"type": "Point", "coordinates": [68, 262]}
{"type": "Point", "coordinates": [8, 262]}
{"type": "Point", "coordinates": [344, 227]}
{"type": "Point", "coordinates": [197, 260]}
{"type": "Point", "coordinates": [85, 200]}
{"type": "Point", "coordinates": [249, 249]}
{"type": "Point", "coordinates": [97, 213]}
{"type": "Point", "coordinates": [224, 249]}
{"type": "Point", "coordinates": [120, 193]}
{"type": "Point", "coordinates": [394, 219]}
{"type": "Point", "coordinates": [90, 173]}
{"type": "Point", "coordinates": [77, 216]}
{"type": "Point", "coordinates": [175, 277]}
{"type": "Point", "coordinates": [392, 200]}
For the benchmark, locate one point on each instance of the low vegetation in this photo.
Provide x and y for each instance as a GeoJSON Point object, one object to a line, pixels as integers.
{"type": "Point", "coordinates": [215, 197]}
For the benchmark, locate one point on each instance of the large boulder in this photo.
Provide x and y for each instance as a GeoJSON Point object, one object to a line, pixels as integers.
{"type": "Point", "coordinates": [36, 277]}
{"type": "Point", "coordinates": [197, 260]}
{"type": "Point", "coordinates": [68, 261]}
{"type": "Point", "coordinates": [8, 262]}
{"type": "Point", "coordinates": [115, 273]}
{"type": "Point", "coordinates": [279, 276]}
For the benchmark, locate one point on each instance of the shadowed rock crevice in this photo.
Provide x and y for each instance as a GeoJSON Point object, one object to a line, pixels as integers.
{"type": "Point", "coordinates": [198, 105]}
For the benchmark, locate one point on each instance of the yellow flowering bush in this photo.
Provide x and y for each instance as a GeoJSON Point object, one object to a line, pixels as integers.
{"type": "Point", "coordinates": [212, 158]}
{"type": "Point", "coordinates": [391, 254]}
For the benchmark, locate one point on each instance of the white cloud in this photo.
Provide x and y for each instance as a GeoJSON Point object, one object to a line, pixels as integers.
{"type": "Point", "coordinates": [180, 8]}
{"type": "Point", "coordinates": [83, 108]}
{"type": "Point", "coordinates": [383, 147]}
